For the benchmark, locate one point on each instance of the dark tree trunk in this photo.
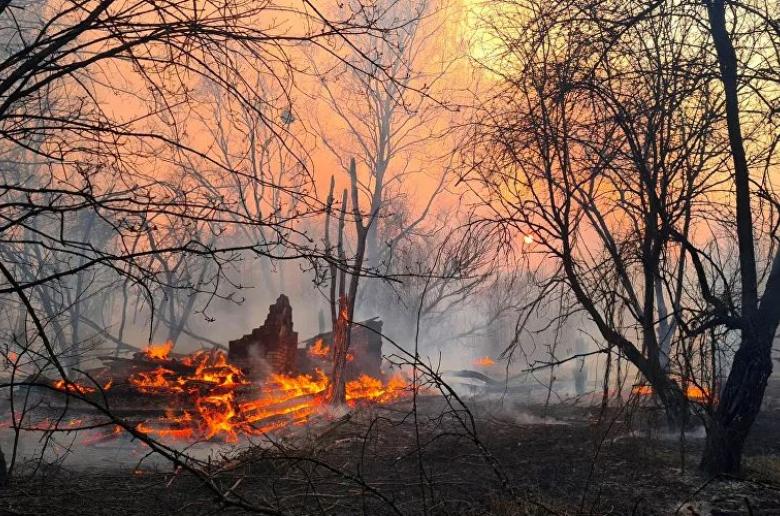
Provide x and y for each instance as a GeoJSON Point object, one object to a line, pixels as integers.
{"type": "Point", "coordinates": [740, 400]}
{"type": "Point", "coordinates": [727, 59]}
{"type": "Point", "coordinates": [3, 471]}
{"type": "Point", "coordinates": [673, 400]}
{"type": "Point", "coordinates": [739, 404]}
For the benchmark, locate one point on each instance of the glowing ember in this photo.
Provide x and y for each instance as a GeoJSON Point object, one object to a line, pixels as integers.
{"type": "Point", "coordinates": [696, 393]}
{"type": "Point", "coordinates": [484, 362]}
{"type": "Point", "coordinates": [159, 351]}
{"type": "Point", "coordinates": [77, 388]}
{"type": "Point", "coordinates": [159, 379]}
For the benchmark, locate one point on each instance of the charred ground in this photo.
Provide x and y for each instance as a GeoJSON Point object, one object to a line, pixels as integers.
{"type": "Point", "coordinates": [571, 460]}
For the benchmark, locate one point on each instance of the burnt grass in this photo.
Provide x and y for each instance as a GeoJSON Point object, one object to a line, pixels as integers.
{"type": "Point", "coordinates": [567, 460]}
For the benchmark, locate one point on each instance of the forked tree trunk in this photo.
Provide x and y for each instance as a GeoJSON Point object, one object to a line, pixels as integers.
{"type": "Point", "coordinates": [337, 394]}
{"type": "Point", "coordinates": [739, 404]}
{"type": "Point", "coordinates": [740, 400]}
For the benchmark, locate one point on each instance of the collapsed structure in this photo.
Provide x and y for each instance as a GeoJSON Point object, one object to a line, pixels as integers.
{"type": "Point", "coordinates": [274, 348]}
{"type": "Point", "coordinates": [274, 343]}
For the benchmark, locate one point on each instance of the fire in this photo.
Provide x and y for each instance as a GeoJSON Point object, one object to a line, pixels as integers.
{"type": "Point", "coordinates": [217, 412]}
{"type": "Point", "coordinates": [692, 392]}
{"type": "Point", "coordinates": [696, 393]}
{"type": "Point", "coordinates": [319, 349]}
{"type": "Point", "coordinates": [73, 388]}
{"type": "Point", "coordinates": [209, 398]}
{"type": "Point", "coordinates": [322, 351]}
{"type": "Point", "coordinates": [159, 379]}
{"type": "Point", "coordinates": [211, 389]}
{"type": "Point", "coordinates": [164, 431]}
{"type": "Point", "coordinates": [292, 397]}
{"type": "Point", "coordinates": [301, 384]}
{"type": "Point", "coordinates": [642, 390]}
{"type": "Point", "coordinates": [281, 400]}
{"type": "Point", "coordinates": [213, 368]}
{"type": "Point", "coordinates": [370, 388]}
{"type": "Point", "coordinates": [484, 362]}
{"type": "Point", "coordinates": [159, 351]}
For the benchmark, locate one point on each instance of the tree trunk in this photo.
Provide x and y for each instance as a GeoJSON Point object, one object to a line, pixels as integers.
{"type": "Point", "coordinates": [671, 397]}
{"type": "Point", "coordinates": [739, 404]}
{"type": "Point", "coordinates": [740, 401]}
{"type": "Point", "coordinates": [337, 388]}
{"type": "Point", "coordinates": [675, 408]}
{"type": "Point", "coordinates": [3, 471]}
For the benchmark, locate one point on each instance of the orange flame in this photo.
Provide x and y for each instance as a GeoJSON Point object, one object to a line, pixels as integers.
{"type": "Point", "coordinates": [696, 393]}
{"type": "Point", "coordinates": [215, 400]}
{"type": "Point", "coordinates": [159, 351]}
{"type": "Point", "coordinates": [159, 379]}
{"type": "Point", "coordinates": [72, 388]}
{"type": "Point", "coordinates": [372, 389]}
{"type": "Point", "coordinates": [319, 349]}
{"type": "Point", "coordinates": [484, 362]}
{"type": "Point", "coordinates": [692, 392]}
{"type": "Point", "coordinates": [642, 390]}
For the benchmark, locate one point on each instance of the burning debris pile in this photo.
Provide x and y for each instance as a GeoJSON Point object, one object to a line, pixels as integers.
{"type": "Point", "coordinates": [205, 395]}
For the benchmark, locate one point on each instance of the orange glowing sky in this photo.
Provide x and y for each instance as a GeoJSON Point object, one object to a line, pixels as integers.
{"type": "Point", "coordinates": [450, 32]}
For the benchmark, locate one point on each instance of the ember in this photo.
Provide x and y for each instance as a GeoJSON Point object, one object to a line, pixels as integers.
{"type": "Point", "coordinates": [77, 388]}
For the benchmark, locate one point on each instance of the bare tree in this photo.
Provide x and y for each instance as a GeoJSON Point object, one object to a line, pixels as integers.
{"type": "Point", "coordinates": [343, 304]}
{"type": "Point", "coordinates": [758, 316]}
{"type": "Point", "coordinates": [616, 167]}
{"type": "Point", "coordinates": [390, 124]}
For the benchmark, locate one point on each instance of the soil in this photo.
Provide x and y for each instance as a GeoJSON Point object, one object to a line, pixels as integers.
{"type": "Point", "coordinates": [524, 460]}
